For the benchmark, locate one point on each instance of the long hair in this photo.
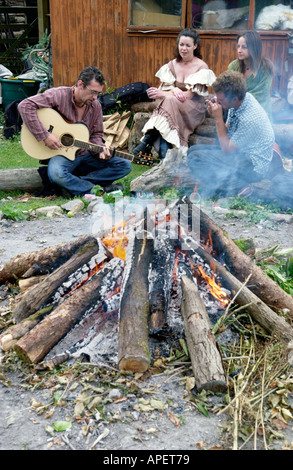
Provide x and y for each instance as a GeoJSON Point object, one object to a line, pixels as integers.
{"type": "Point", "coordinates": [190, 33]}
{"type": "Point", "coordinates": [256, 58]}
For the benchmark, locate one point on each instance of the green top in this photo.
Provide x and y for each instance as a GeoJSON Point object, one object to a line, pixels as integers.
{"type": "Point", "coordinates": [259, 86]}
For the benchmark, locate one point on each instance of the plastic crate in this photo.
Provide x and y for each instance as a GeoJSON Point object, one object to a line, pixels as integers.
{"type": "Point", "coordinates": [17, 89]}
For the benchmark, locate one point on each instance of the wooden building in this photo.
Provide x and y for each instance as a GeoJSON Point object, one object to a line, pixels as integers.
{"type": "Point", "coordinates": [130, 39]}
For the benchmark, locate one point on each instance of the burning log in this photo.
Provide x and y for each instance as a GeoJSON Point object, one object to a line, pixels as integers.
{"type": "Point", "coordinates": [133, 351]}
{"type": "Point", "coordinates": [259, 311]}
{"type": "Point", "coordinates": [205, 357]}
{"type": "Point", "coordinates": [160, 284]}
{"type": "Point", "coordinates": [35, 298]}
{"type": "Point", "coordinates": [41, 261]}
{"type": "Point", "coordinates": [241, 266]}
{"type": "Point", "coordinates": [34, 345]}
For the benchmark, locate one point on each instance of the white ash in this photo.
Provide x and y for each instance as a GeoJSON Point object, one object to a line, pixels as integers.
{"type": "Point", "coordinates": [112, 304]}
{"type": "Point", "coordinates": [80, 275]}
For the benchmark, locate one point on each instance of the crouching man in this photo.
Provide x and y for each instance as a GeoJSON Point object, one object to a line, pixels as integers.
{"type": "Point", "coordinates": [244, 153]}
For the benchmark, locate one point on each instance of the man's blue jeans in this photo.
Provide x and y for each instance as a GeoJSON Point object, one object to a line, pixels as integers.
{"type": "Point", "coordinates": [94, 171]}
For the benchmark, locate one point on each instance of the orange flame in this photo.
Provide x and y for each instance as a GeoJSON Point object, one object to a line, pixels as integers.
{"type": "Point", "coordinates": [215, 288]}
{"type": "Point", "coordinates": [117, 241]}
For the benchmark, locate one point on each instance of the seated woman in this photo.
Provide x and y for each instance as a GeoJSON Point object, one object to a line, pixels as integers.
{"type": "Point", "coordinates": [181, 94]}
{"type": "Point", "coordinates": [256, 69]}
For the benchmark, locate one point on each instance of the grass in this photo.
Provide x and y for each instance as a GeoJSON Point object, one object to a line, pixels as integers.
{"type": "Point", "coordinates": [12, 155]}
{"type": "Point", "coordinates": [16, 206]}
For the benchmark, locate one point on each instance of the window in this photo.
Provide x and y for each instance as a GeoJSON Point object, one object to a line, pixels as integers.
{"type": "Point", "coordinates": [220, 14]}
{"type": "Point", "coordinates": [235, 14]}
{"type": "Point", "coordinates": [157, 13]}
{"type": "Point", "coordinates": [273, 15]}
{"type": "Point", "coordinates": [210, 15]}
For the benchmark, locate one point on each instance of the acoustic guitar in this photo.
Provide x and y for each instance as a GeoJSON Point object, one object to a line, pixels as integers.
{"type": "Point", "coordinates": [72, 137]}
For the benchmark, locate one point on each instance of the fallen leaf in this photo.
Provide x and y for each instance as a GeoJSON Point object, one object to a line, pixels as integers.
{"type": "Point", "coordinates": [174, 419]}
{"type": "Point", "coordinates": [190, 383]}
{"type": "Point", "coordinates": [60, 426]}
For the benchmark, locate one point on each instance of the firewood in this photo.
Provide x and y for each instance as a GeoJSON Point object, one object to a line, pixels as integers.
{"type": "Point", "coordinates": [123, 140]}
{"type": "Point", "coordinates": [40, 261]}
{"type": "Point", "coordinates": [42, 292]}
{"type": "Point", "coordinates": [133, 352]}
{"type": "Point", "coordinates": [205, 357]}
{"type": "Point", "coordinates": [11, 335]}
{"type": "Point", "coordinates": [269, 320]}
{"type": "Point", "coordinates": [34, 345]}
{"type": "Point", "coordinates": [122, 124]}
{"type": "Point", "coordinates": [111, 119]}
{"type": "Point", "coordinates": [162, 266]}
{"type": "Point", "coordinates": [110, 137]}
{"type": "Point", "coordinates": [242, 265]}
{"type": "Point", "coordinates": [24, 284]}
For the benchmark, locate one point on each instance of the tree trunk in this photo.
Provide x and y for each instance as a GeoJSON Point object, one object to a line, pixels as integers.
{"type": "Point", "coordinates": [205, 357]}
{"type": "Point", "coordinates": [23, 179]}
{"type": "Point", "coordinates": [133, 351]}
{"type": "Point", "coordinates": [36, 297]}
{"type": "Point", "coordinates": [34, 345]}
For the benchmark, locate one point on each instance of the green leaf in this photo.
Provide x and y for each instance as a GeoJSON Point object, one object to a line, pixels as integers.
{"type": "Point", "coordinates": [60, 426]}
{"type": "Point", "coordinates": [202, 409]}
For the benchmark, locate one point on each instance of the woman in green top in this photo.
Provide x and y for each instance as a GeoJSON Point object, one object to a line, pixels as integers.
{"type": "Point", "coordinates": [257, 70]}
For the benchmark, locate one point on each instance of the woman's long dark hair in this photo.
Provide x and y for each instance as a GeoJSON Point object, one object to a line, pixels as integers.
{"type": "Point", "coordinates": [256, 57]}
{"type": "Point", "coordinates": [190, 33]}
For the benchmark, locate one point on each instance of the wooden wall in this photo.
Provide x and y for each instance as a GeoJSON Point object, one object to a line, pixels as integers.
{"type": "Point", "coordinates": [94, 32]}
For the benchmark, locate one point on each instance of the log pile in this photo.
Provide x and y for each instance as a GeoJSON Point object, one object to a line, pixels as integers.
{"type": "Point", "coordinates": [76, 290]}
{"type": "Point", "coordinates": [116, 131]}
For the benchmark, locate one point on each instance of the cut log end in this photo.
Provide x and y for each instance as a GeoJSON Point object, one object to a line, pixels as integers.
{"type": "Point", "coordinates": [134, 364]}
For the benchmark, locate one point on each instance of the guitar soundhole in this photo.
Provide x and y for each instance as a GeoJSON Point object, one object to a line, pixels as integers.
{"type": "Point", "coordinates": [67, 140]}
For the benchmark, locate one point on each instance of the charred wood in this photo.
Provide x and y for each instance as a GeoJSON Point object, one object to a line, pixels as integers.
{"type": "Point", "coordinates": [274, 324]}
{"type": "Point", "coordinates": [40, 262]}
{"type": "Point", "coordinates": [41, 293]}
{"type": "Point", "coordinates": [34, 345]}
{"type": "Point", "coordinates": [241, 266]}
{"type": "Point", "coordinates": [202, 347]}
{"type": "Point", "coordinates": [162, 266]}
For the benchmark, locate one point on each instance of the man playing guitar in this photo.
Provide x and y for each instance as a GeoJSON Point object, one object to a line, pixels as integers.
{"type": "Point", "coordinates": [77, 104]}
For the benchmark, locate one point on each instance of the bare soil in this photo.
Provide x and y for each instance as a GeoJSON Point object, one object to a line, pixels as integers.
{"type": "Point", "coordinates": [152, 412]}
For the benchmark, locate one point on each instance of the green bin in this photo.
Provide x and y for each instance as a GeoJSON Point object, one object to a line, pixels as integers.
{"type": "Point", "coordinates": [17, 89]}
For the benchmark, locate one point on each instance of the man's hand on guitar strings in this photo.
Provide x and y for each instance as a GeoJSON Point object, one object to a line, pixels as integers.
{"type": "Point", "coordinates": [52, 142]}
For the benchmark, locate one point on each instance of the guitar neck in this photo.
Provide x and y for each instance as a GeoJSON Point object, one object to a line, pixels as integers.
{"type": "Point", "coordinates": [99, 148]}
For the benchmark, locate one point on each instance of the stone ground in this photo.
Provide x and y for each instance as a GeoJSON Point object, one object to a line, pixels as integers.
{"type": "Point", "coordinates": [149, 413]}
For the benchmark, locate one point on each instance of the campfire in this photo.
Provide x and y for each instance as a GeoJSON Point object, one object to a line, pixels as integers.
{"type": "Point", "coordinates": [164, 272]}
